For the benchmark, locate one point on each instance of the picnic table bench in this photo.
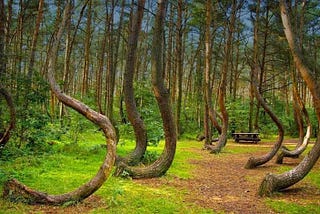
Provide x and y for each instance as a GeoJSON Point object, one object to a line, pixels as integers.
{"type": "Point", "coordinates": [246, 137]}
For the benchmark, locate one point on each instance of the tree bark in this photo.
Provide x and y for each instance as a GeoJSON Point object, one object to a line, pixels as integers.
{"type": "Point", "coordinates": [207, 85]}
{"type": "Point", "coordinates": [179, 65]}
{"type": "Point", "coordinates": [4, 137]}
{"type": "Point", "coordinates": [300, 111]}
{"type": "Point", "coordinates": [133, 115]}
{"type": "Point", "coordinates": [298, 151]}
{"type": "Point", "coordinates": [34, 44]}
{"type": "Point", "coordinates": [14, 190]}
{"type": "Point", "coordinates": [254, 162]}
{"type": "Point", "coordinates": [2, 41]}
{"type": "Point", "coordinates": [223, 84]}
{"type": "Point", "coordinates": [85, 75]}
{"type": "Point", "coordinates": [271, 182]}
{"type": "Point", "coordinates": [163, 163]}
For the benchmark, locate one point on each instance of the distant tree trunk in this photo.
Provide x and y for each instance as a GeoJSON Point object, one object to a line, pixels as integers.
{"type": "Point", "coordinates": [271, 182]}
{"type": "Point", "coordinates": [2, 42]}
{"type": "Point", "coordinates": [34, 45]}
{"type": "Point", "coordinates": [207, 85]}
{"type": "Point", "coordinates": [254, 162]}
{"type": "Point", "coordinates": [5, 136]}
{"type": "Point", "coordinates": [299, 112]}
{"type": "Point", "coordinates": [16, 191]}
{"type": "Point", "coordinates": [223, 84]}
{"type": "Point", "coordinates": [169, 56]}
{"type": "Point", "coordinates": [133, 115]}
{"type": "Point", "coordinates": [70, 39]}
{"type": "Point", "coordinates": [262, 63]}
{"type": "Point", "coordinates": [85, 75]}
{"type": "Point", "coordinates": [256, 28]}
{"type": "Point", "coordinates": [3, 59]}
{"type": "Point", "coordinates": [30, 70]}
{"type": "Point", "coordinates": [163, 163]}
{"type": "Point", "coordinates": [179, 65]}
{"type": "Point", "coordinates": [110, 76]}
{"type": "Point", "coordinates": [101, 64]}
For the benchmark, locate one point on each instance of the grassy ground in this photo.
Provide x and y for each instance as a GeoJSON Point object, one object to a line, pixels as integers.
{"type": "Point", "coordinates": [69, 165]}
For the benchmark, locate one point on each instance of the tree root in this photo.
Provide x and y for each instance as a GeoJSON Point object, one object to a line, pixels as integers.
{"type": "Point", "coordinates": [268, 186]}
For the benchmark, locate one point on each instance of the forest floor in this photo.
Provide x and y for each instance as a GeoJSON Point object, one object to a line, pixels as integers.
{"type": "Point", "coordinates": [219, 183]}
{"type": "Point", "coordinates": [224, 185]}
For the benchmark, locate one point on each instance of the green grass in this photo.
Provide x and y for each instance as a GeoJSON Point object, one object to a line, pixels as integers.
{"type": "Point", "coordinates": [292, 208]}
{"type": "Point", "coordinates": [70, 165]}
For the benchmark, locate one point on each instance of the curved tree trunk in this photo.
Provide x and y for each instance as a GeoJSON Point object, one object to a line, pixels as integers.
{"type": "Point", "coordinates": [298, 151]}
{"type": "Point", "coordinates": [133, 115]}
{"type": "Point", "coordinates": [4, 137]}
{"type": "Point", "coordinates": [163, 163]}
{"type": "Point", "coordinates": [16, 191]}
{"type": "Point", "coordinates": [254, 162]}
{"type": "Point", "coordinates": [223, 84]}
{"type": "Point", "coordinates": [303, 141]}
{"type": "Point", "coordinates": [271, 182]}
{"type": "Point", "coordinates": [214, 120]}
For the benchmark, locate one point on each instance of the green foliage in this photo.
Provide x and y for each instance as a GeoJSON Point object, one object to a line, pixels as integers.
{"type": "Point", "coordinates": [149, 157]}
{"type": "Point", "coordinates": [148, 108]}
{"type": "Point", "coordinates": [238, 115]}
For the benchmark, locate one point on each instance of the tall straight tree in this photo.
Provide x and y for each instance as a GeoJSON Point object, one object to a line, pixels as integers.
{"type": "Point", "coordinates": [272, 183]}
{"type": "Point", "coordinates": [85, 74]}
{"type": "Point", "coordinates": [69, 44]}
{"type": "Point", "coordinates": [2, 41]}
{"type": "Point", "coordinates": [113, 43]}
{"type": "Point", "coordinates": [5, 135]}
{"type": "Point", "coordinates": [207, 85]}
{"type": "Point", "coordinates": [179, 64]}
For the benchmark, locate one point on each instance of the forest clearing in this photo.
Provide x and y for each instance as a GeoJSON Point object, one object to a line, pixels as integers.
{"type": "Point", "coordinates": [197, 182]}
{"type": "Point", "coordinates": [101, 104]}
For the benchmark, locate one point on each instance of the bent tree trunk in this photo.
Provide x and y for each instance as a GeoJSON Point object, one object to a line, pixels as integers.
{"type": "Point", "coordinates": [298, 151]}
{"type": "Point", "coordinates": [214, 120]}
{"type": "Point", "coordinates": [223, 84]}
{"type": "Point", "coordinates": [163, 163]}
{"type": "Point", "coordinates": [133, 115]}
{"type": "Point", "coordinates": [17, 191]}
{"type": "Point", "coordinates": [299, 109]}
{"type": "Point", "coordinates": [4, 137]}
{"type": "Point", "coordinates": [254, 162]}
{"type": "Point", "coordinates": [272, 183]}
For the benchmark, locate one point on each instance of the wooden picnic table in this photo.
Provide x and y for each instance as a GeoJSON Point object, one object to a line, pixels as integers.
{"type": "Point", "coordinates": [250, 137]}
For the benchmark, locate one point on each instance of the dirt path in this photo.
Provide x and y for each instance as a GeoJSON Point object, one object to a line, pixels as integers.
{"type": "Point", "coordinates": [222, 184]}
